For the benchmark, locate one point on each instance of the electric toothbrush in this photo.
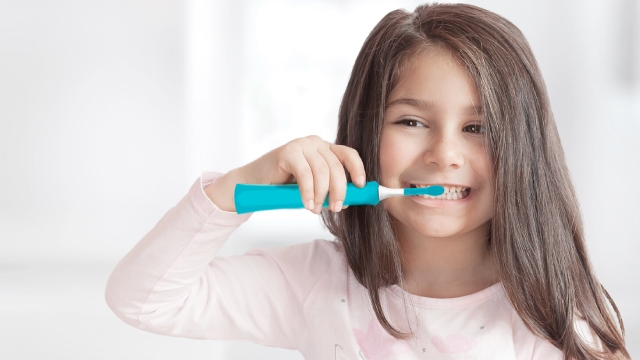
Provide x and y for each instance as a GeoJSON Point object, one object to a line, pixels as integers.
{"type": "Point", "coordinates": [255, 197]}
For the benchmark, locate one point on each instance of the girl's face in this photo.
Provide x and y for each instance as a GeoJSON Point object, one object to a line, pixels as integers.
{"type": "Point", "coordinates": [432, 134]}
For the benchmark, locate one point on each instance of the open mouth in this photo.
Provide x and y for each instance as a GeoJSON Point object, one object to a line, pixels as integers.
{"type": "Point", "coordinates": [450, 192]}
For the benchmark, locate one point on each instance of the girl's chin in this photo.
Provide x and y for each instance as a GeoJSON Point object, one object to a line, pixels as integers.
{"type": "Point", "coordinates": [440, 234]}
{"type": "Point", "coordinates": [437, 230]}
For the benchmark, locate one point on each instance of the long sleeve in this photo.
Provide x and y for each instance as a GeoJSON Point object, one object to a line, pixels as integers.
{"type": "Point", "coordinates": [171, 282]}
{"type": "Point", "coordinates": [301, 297]}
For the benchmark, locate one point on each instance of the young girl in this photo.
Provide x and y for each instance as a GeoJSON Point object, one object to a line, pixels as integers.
{"type": "Point", "coordinates": [496, 268]}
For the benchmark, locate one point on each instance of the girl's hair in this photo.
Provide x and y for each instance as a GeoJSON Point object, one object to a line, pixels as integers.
{"type": "Point", "coordinates": [536, 232]}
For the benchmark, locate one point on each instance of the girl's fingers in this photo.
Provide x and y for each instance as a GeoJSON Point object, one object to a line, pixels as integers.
{"type": "Point", "coordinates": [337, 179]}
{"type": "Point", "coordinates": [321, 176]}
{"type": "Point", "coordinates": [319, 168]}
{"type": "Point", "coordinates": [296, 164]}
{"type": "Point", "coordinates": [352, 161]}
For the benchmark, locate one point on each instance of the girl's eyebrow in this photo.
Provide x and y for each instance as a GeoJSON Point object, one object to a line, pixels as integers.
{"type": "Point", "coordinates": [419, 104]}
{"type": "Point", "coordinates": [473, 110]}
{"type": "Point", "coordinates": [430, 105]}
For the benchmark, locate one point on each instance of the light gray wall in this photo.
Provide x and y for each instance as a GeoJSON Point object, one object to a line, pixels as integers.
{"type": "Point", "coordinates": [92, 142]}
{"type": "Point", "coordinates": [110, 110]}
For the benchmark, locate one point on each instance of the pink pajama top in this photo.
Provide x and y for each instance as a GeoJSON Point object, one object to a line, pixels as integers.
{"type": "Point", "coordinates": [300, 297]}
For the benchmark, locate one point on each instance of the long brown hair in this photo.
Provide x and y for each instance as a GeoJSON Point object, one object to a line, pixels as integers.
{"type": "Point", "coordinates": [536, 233]}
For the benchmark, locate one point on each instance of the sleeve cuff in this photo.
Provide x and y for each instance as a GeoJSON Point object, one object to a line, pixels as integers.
{"type": "Point", "coordinates": [214, 214]}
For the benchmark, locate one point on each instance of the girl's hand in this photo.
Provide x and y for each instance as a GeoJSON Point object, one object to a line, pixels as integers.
{"type": "Point", "coordinates": [316, 165]}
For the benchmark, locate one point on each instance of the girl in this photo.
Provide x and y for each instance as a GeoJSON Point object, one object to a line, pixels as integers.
{"type": "Point", "coordinates": [495, 269]}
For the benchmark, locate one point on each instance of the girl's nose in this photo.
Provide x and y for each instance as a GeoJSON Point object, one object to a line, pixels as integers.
{"type": "Point", "coordinates": [445, 151]}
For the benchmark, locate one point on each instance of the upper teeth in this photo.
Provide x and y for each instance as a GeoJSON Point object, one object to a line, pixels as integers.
{"type": "Point", "coordinates": [447, 189]}
{"type": "Point", "coordinates": [450, 192]}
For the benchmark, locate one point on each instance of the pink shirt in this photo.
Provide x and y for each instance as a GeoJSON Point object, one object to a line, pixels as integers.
{"type": "Point", "coordinates": [300, 297]}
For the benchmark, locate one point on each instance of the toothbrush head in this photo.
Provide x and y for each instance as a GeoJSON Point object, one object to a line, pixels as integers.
{"type": "Point", "coordinates": [433, 190]}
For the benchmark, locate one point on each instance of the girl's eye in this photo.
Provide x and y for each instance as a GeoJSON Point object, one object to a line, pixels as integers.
{"type": "Point", "coordinates": [475, 128]}
{"type": "Point", "coordinates": [410, 123]}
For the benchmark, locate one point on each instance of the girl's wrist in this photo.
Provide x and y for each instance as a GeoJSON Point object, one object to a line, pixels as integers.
{"type": "Point", "coordinates": [220, 192]}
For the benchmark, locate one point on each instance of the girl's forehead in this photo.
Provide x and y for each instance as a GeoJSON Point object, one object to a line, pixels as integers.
{"type": "Point", "coordinates": [429, 53]}
{"type": "Point", "coordinates": [437, 75]}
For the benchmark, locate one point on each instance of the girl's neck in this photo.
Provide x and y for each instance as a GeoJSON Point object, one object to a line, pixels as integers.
{"type": "Point", "coordinates": [446, 267]}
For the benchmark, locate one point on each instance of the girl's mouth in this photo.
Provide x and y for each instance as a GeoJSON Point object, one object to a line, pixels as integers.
{"type": "Point", "coordinates": [451, 192]}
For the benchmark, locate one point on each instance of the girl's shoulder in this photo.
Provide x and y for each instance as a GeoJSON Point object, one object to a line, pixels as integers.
{"type": "Point", "coordinates": [528, 345]}
{"type": "Point", "coordinates": [318, 251]}
{"type": "Point", "coordinates": [306, 262]}
{"type": "Point", "coordinates": [532, 346]}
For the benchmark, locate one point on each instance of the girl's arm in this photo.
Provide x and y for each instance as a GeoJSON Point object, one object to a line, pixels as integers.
{"type": "Point", "coordinates": [171, 282]}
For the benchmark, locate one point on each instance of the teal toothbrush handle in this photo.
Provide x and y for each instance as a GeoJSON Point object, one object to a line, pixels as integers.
{"type": "Point", "coordinates": [251, 197]}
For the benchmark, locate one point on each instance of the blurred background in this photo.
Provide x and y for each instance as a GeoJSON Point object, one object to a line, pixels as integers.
{"type": "Point", "coordinates": [110, 110]}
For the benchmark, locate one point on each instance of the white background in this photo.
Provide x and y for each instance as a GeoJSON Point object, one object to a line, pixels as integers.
{"type": "Point", "coordinates": [110, 110]}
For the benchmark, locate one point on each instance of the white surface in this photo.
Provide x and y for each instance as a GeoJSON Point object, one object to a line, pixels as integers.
{"type": "Point", "coordinates": [105, 119]}
{"type": "Point", "coordinates": [56, 311]}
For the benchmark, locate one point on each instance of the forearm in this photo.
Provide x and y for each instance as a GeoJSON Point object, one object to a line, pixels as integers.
{"type": "Point", "coordinates": [171, 257]}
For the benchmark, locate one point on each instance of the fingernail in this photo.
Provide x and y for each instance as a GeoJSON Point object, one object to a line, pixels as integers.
{"type": "Point", "coordinates": [337, 206]}
{"type": "Point", "coordinates": [310, 205]}
{"type": "Point", "coordinates": [362, 180]}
